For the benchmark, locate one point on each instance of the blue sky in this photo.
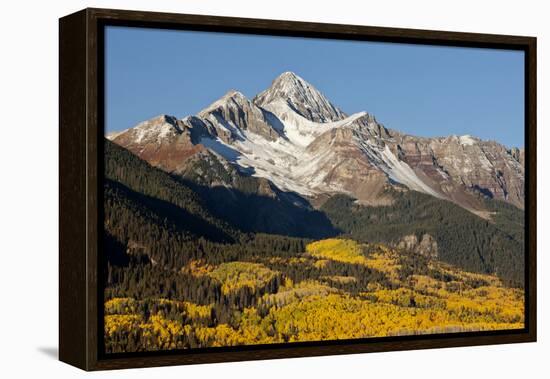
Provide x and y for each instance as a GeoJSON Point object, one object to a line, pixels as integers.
{"type": "Point", "coordinates": [421, 90]}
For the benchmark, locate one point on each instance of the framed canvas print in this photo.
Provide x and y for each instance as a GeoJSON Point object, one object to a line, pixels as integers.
{"type": "Point", "coordinates": [237, 189]}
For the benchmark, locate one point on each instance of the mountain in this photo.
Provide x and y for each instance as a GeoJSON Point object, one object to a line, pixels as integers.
{"type": "Point", "coordinates": [458, 166]}
{"type": "Point", "coordinates": [301, 97]}
{"type": "Point", "coordinates": [293, 137]}
{"type": "Point", "coordinates": [234, 114]}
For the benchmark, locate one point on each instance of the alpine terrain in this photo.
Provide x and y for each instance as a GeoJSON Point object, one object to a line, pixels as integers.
{"type": "Point", "coordinates": [294, 137]}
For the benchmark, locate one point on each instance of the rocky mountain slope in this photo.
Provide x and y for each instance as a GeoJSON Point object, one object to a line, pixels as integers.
{"type": "Point", "coordinates": [292, 136]}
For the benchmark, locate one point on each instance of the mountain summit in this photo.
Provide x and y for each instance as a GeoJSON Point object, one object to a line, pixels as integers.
{"type": "Point", "coordinates": [301, 96]}
{"type": "Point", "coordinates": [233, 114]}
{"type": "Point", "coordinates": [294, 138]}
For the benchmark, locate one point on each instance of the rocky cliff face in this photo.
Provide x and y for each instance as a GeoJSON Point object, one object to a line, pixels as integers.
{"type": "Point", "coordinates": [463, 167]}
{"type": "Point", "coordinates": [426, 245]}
{"type": "Point", "coordinates": [294, 138]}
{"type": "Point", "coordinates": [233, 114]}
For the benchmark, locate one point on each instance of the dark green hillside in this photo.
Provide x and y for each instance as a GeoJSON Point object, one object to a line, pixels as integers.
{"type": "Point", "coordinates": [463, 239]}
{"type": "Point", "coordinates": [125, 168]}
{"type": "Point", "coordinates": [168, 236]}
{"type": "Point", "coordinates": [157, 229]}
{"type": "Point", "coordinates": [507, 218]}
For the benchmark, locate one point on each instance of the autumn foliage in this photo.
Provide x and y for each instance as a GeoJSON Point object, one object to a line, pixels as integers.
{"type": "Point", "coordinates": [421, 298]}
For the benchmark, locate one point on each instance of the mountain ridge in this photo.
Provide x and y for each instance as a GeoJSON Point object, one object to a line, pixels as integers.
{"type": "Point", "coordinates": [293, 136]}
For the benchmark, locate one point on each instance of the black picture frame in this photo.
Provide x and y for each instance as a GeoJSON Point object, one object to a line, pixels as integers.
{"type": "Point", "coordinates": [81, 111]}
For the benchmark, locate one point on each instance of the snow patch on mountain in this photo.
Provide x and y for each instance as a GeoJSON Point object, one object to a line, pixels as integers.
{"type": "Point", "coordinates": [155, 130]}
{"type": "Point", "coordinates": [111, 136]}
{"type": "Point", "coordinates": [219, 147]}
{"type": "Point", "coordinates": [288, 164]}
{"type": "Point", "coordinates": [301, 131]}
{"type": "Point", "coordinates": [401, 172]}
{"type": "Point", "coordinates": [467, 140]}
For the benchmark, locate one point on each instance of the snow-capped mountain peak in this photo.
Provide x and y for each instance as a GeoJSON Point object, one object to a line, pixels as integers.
{"type": "Point", "coordinates": [291, 135]}
{"type": "Point", "coordinates": [235, 96]}
{"type": "Point", "coordinates": [232, 98]}
{"type": "Point", "coordinates": [301, 96]}
{"type": "Point", "coordinates": [155, 129]}
{"type": "Point", "coordinates": [233, 114]}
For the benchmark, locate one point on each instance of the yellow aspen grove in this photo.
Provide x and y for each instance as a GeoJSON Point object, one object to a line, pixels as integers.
{"type": "Point", "coordinates": [433, 297]}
